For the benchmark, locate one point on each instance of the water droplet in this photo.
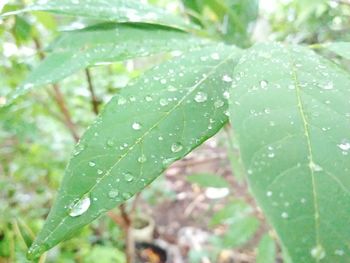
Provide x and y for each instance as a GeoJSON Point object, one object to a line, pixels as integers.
{"type": "Point", "coordinates": [284, 215]}
{"type": "Point", "coordinates": [263, 84]}
{"type": "Point", "coordinates": [92, 164]}
{"type": "Point", "coordinates": [99, 172]}
{"type": "Point", "coordinates": [113, 193]}
{"type": "Point", "coordinates": [163, 81]}
{"type": "Point", "coordinates": [201, 97]}
{"type": "Point", "coordinates": [128, 177]}
{"type": "Point", "coordinates": [271, 155]}
{"type": "Point", "coordinates": [315, 167]}
{"type": "Point", "coordinates": [344, 145]}
{"type": "Point", "coordinates": [80, 207]}
{"type": "Point", "coordinates": [142, 159]}
{"type": "Point", "coordinates": [163, 102]}
{"type": "Point", "coordinates": [218, 104]}
{"type": "Point", "coordinates": [226, 95]}
{"type": "Point", "coordinates": [328, 86]}
{"type": "Point", "coordinates": [136, 126]}
{"type": "Point", "coordinates": [318, 252]}
{"type": "Point", "coordinates": [269, 193]}
{"type": "Point", "coordinates": [176, 147]}
{"type": "Point", "coordinates": [215, 56]}
{"type": "Point", "coordinates": [148, 98]}
{"type": "Point", "coordinates": [227, 78]}
{"type": "Point", "coordinates": [121, 101]}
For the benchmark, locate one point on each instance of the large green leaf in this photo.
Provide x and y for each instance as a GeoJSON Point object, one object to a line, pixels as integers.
{"type": "Point", "coordinates": [340, 48]}
{"type": "Point", "coordinates": [159, 119]}
{"type": "Point", "coordinates": [291, 112]}
{"type": "Point", "coordinates": [76, 50]}
{"type": "Point", "coordinates": [110, 10]}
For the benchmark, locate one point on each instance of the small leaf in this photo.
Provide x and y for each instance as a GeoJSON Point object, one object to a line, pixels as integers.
{"type": "Point", "coordinates": [291, 112]}
{"type": "Point", "coordinates": [141, 131]}
{"type": "Point", "coordinates": [208, 180]}
{"type": "Point", "coordinates": [266, 250]}
{"type": "Point", "coordinates": [76, 50]}
{"type": "Point", "coordinates": [120, 11]}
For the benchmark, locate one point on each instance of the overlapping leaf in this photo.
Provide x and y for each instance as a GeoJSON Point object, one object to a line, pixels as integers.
{"type": "Point", "coordinates": [340, 48]}
{"type": "Point", "coordinates": [163, 116]}
{"type": "Point", "coordinates": [76, 50]}
{"type": "Point", "coordinates": [110, 10]}
{"type": "Point", "coordinates": [291, 111]}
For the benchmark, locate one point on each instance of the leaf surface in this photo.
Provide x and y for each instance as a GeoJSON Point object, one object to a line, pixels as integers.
{"type": "Point", "coordinates": [291, 112]}
{"type": "Point", "coordinates": [152, 123]}
{"type": "Point", "coordinates": [103, 43]}
{"type": "Point", "coordinates": [120, 11]}
{"type": "Point", "coordinates": [340, 48]}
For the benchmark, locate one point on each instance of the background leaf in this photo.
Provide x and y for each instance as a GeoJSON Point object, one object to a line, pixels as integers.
{"type": "Point", "coordinates": [208, 180]}
{"type": "Point", "coordinates": [110, 10]}
{"type": "Point", "coordinates": [292, 119]}
{"type": "Point", "coordinates": [163, 116]}
{"type": "Point", "coordinates": [110, 42]}
{"type": "Point", "coordinates": [266, 250]}
{"type": "Point", "coordinates": [340, 48]}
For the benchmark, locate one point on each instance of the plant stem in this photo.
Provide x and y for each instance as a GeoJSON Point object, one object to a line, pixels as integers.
{"type": "Point", "coordinates": [94, 100]}
{"type": "Point", "coordinates": [59, 98]}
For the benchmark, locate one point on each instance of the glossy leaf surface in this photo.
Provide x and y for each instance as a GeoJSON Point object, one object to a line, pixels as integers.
{"type": "Point", "coordinates": [290, 109]}
{"type": "Point", "coordinates": [152, 123]}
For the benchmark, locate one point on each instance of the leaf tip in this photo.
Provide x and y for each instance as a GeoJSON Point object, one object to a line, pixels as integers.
{"type": "Point", "coordinates": [36, 250]}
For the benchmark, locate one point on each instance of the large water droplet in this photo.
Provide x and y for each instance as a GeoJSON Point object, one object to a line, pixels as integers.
{"type": "Point", "coordinates": [136, 126]}
{"type": "Point", "coordinates": [128, 177]}
{"type": "Point", "coordinates": [318, 252]}
{"type": "Point", "coordinates": [263, 84]}
{"type": "Point", "coordinates": [344, 145]}
{"type": "Point", "coordinates": [201, 97]}
{"type": "Point", "coordinates": [176, 147]}
{"type": "Point", "coordinates": [80, 207]}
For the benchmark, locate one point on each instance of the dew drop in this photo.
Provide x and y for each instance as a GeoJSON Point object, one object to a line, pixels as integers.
{"type": "Point", "coordinates": [99, 172]}
{"type": "Point", "coordinates": [113, 193]}
{"type": "Point", "coordinates": [201, 97]}
{"type": "Point", "coordinates": [176, 147]}
{"type": "Point", "coordinates": [128, 177]}
{"type": "Point", "coordinates": [284, 215]}
{"type": "Point", "coordinates": [121, 101]}
{"type": "Point", "coordinates": [263, 84]}
{"type": "Point", "coordinates": [163, 102]}
{"type": "Point", "coordinates": [227, 78]}
{"type": "Point", "coordinates": [318, 252]}
{"type": "Point", "coordinates": [269, 193]}
{"type": "Point", "coordinates": [142, 159]}
{"type": "Point", "coordinates": [136, 126]}
{"type": "Point", "coordinates": [315, 167]}
{"type": "Point", "coordinates": [92, 164]}
{"type": "Point", "coordinates": [218, 104]}
{"type": "Point", "coordinates": [215, 56]}
{"type": "Point", "coordinates": [344, 145]}
{"type": "Point", "coordinates": [148, 98]}
{"type": "Point", "coordinates": [80, 207]}
{"type": "Point", "coordinates": [126, 196]}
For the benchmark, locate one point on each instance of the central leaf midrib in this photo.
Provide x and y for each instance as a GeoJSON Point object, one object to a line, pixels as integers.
{"type": "Point", "coordinates": [212, 71]}
{"type": "Point", "coordinates": [304, 118]}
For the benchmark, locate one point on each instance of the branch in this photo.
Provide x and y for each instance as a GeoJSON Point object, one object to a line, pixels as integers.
{"type": "Point", "coordinates": [94, 101]}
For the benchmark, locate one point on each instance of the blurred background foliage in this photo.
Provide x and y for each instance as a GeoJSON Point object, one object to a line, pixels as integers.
{"type": "Point", "coordinates": [35, 144]}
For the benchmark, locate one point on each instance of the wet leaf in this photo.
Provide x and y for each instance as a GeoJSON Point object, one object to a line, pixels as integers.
{"type": "Point", "coordinates": [120, 11]}
{"type": "Point", "coordinates": [142, 130]}
{"type": "Point", "coordinates": [76, 50]}
{"type": "Point", "coordinates": [342, 49]}
{"type": "Point", "coordinates": [291, 111]}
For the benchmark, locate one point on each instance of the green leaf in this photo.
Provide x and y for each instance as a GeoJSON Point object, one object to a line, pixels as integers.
{"type": "Point", "coordinates": [290, 109]}
{"type": "Point", "coordinates": [76, 50]}
{"type": "Point", "coordinates": [342, 49]}
{"type": "Point", "coordinates": [150, 124]}
{"type": "Point", "coordinates": [120, 11]}
{"type": "Point", "coordinates": [240, 232]}
{"type": "Point", "coordinates": [266, 250]}
{"type": "Point", "coordinates": [208, 180]}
